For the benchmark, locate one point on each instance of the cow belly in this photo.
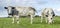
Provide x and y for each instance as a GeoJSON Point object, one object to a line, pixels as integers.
{"type": "Point", "coordinates": [24, 14]}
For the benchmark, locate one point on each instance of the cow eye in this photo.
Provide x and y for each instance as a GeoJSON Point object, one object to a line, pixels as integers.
{"type": "Point", "coordinates": [13, 7]}
{"type": "Point", "coordinates": [6, 7]}
{"type": "Point", "coordinates": [51, 18]}
{"type": "Point", "coordinates": [46, 15]}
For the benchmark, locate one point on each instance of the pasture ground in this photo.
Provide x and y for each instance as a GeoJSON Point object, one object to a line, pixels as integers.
{"type": "Point", "coordinates": [25, 23]}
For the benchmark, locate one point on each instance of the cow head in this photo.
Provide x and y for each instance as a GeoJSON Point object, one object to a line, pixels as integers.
{"type": "Point", "coordinates": [9, 9]}
{"type": "Point", "coordinates": [50, 17]}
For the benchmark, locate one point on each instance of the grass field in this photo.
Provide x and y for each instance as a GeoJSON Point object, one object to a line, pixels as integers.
{"type": "Point", "coordinates": [25, 23]}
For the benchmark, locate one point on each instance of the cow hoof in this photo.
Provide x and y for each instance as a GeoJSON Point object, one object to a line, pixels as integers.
{"type": "Point", "coordinates": [12, 22]}
{"type": "Point", "coordinates": [53, 22]}
{"type": "Point", "coordinates": [46, 22]}
{"type": "Point", "coordinates": [31, 22]}
{"type": "Point", "coordinates": [41, 21]}
{"type": "Point", "coordinates": [17, 22]}
{"type": "Point", "coordinates": [49, 23]}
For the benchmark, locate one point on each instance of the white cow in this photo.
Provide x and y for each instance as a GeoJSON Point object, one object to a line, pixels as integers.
{"type": "Point", "coordinates": [48, 14]}
{"type": "Point", "coordinates": [19, 11]}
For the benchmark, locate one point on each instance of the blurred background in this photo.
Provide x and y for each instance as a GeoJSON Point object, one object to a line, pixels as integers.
{"type": "Point", "coordinates": [37, 4]}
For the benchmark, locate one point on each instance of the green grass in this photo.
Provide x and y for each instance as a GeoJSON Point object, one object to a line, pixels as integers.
{"type": "Point", "coordinates": [25, 23]}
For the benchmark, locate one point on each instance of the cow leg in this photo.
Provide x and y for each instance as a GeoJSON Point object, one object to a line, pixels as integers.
{"type": "Point", "coordinates": [46, 19]}
{"type": "Point", "coordinates": [53, 20]}
{"type": "Point", "coordinates": [17, 19]}
{"type": "Point", "coordinates": [12, 19]}
{"type": "Point", "coordinates": [41, 18]}
{"type": "Point", "coordinates": [31, 18]}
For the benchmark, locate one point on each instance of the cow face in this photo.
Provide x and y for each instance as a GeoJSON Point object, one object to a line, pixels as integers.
{"type": "Point", "coordinates": [9, 9]}
{"type": "Point", "coordinates": [50, 16]}
{"type": "Point", "coordinates": [50, 19]}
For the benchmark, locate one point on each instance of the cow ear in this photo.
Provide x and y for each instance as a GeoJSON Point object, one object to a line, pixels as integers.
{"type": "Point", "coordinates": [6, 7]}
{"type": "Point", "coordinates": [13, 7]}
